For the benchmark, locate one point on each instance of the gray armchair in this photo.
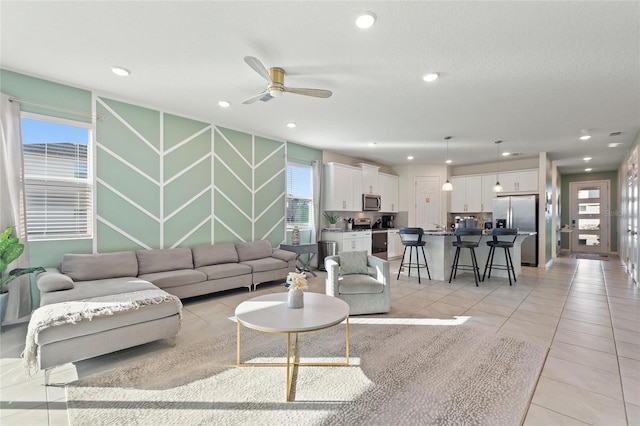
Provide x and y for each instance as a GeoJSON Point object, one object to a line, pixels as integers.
{"type": "Point", "coordinates": [364, 293]}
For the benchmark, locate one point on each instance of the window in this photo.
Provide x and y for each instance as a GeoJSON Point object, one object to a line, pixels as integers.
{"type": "Point", "coordinates": [58, 178]}
{"type": "Point", "coordinates": [299, 195]}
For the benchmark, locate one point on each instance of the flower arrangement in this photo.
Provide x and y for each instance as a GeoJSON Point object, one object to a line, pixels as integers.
{"type": "Point", "coordinates": [296, 280]}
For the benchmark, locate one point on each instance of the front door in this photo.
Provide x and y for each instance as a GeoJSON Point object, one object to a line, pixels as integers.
{"type": "Point", "coordinates": [589, 219]}
{"type": "Point", "coordinates": [427, 202]}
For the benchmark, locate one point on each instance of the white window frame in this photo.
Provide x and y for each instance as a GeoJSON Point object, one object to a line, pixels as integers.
{"type": "Point", "coordinates": [90, 179]}
{"type": "Point", "coordinates": [308, 225]}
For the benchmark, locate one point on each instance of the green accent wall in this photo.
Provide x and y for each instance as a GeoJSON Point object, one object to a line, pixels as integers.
{"type": "Point", "coordinates": [163, 180]}
{"type": "Point", "coordinates": [612, 177]}
{"type": "Point", "coordinates": [43, 92]}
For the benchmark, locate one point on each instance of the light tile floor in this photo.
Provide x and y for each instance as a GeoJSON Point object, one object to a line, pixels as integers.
{"type": "Point", "coordinates": [586, 311]}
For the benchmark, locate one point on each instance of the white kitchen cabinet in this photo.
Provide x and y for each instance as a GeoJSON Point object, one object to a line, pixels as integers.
{"type": "Point", "coordinates": [520, 181]}
{"type": "Point", "coordinates": [467, 194]}
{"type": "Point", "coordinates": [388, 192]}
{"type": "Point", "coordinates": [394, 244]}
{"type": "Point", "coordinates": [488, 182]}
{"type": "Point", "coordinates": [349, 240]}
{"type": "Point", "coordinates": [342, 187]}
{"type": "Point", "coordinates": [370, 180]}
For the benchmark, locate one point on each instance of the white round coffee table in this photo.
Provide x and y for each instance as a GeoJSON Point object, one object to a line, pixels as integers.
{"type": "Point", "coordinates": [270, 314]}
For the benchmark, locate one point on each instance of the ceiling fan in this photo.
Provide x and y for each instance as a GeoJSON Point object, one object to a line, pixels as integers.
{"type": "Point", "coordinates": [276, 87]}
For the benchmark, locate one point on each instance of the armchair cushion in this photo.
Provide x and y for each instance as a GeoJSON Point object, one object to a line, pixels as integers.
{"type": "Point", "coordinates": [359, 284]}
{"type": "Point", "coordinates": [353, 262]}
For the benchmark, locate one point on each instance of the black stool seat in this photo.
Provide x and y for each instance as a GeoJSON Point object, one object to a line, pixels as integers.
{"type": "Point", "coordinates": [466, 238]}
{"type": "Point", "coordinates": [412, 237]}
{"type": "Point", "coordinates": [506, 243]}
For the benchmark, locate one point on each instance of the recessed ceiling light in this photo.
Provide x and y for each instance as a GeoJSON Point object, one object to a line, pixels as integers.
{"type": "Point", "coordinates": [291, 125]}
{"type": "Point", "coordinates": [410, 157]}
{"type": "Point", "coordinates": [613, 144]}
{"type": "Point", "coordinates": [366, 20]}
{"type": "Point", "coordinates": [449, 161]}
{"type": "Point", "coordinates": [122, 72]}
{"type": "Point", "coordinates": [587, 158]}
{"type": "Point", "coordinates": [588, 169]}
{"type": "Point", "coordinates": [585, 137]}
{"type": "Point", "coordinates": [433, 76]}
{"type": "Point", "coordinates": [371, 144]}
{"type": "Point", "coordinates": [506, 154]}
{"type": "Point", "coordinates": [224, 104]}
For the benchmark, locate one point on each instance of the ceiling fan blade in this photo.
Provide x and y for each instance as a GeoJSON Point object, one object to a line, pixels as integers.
{"type": "Point", "coordinates": [318, 93]}
{"type": "Point", "coordinates": [254, 98]}
{"type": "Point", "coordinates": [258, 67]}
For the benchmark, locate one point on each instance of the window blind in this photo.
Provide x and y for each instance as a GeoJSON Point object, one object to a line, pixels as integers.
{"type": "Point", "coordinates": [299, 195]}
{"type": "Point", "coordinates": [58, 190]}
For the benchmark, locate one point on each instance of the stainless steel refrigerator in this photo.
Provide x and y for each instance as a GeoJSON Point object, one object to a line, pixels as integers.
{"type": "Point", "coordinates": [520, 211]}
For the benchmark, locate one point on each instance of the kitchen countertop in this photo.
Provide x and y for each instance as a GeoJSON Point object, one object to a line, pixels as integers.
{"type": "Point", "coordinates": [486, 233]}
{"type": "Point", "coordinates": [357, 230]}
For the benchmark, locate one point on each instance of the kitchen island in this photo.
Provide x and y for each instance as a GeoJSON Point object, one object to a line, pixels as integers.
{"type": "Point", "coordinates": [440, 253]}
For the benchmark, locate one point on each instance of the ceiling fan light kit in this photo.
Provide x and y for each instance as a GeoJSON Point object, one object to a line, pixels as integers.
{"type": "Point", "coordinates": [276, 87]}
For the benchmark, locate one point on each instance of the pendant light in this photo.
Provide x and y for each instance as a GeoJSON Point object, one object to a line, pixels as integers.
{"type": "Point", "coordinates": [446, 186]}
{"type": "Point", "coordinates": [498, 187]}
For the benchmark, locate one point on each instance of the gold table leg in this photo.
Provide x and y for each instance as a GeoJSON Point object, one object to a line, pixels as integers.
{"type": "Point", "coordinates": [291, 362]}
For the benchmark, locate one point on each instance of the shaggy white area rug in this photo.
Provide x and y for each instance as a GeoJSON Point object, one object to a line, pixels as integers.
{"type": "Point", "coordinates": [400, 374]}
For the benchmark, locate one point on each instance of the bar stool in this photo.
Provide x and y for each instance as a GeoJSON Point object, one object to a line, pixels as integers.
{"type": "Point", "coordinates": [506, 244]}
{"type": "Point", "coordinates": [466, 238]}
{"type": "Point", "coordinates": [412, 238]}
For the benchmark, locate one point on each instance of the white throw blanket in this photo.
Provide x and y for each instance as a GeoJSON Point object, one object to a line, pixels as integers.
{"type": "Point", "coordinates": [81, 310]}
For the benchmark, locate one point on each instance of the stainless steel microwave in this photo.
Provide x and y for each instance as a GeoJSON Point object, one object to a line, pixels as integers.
{"type": "Point", "coordinates": [371, 202]}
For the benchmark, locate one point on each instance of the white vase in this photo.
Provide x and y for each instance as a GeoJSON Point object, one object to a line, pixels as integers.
{"type": "Point", "coordinates": [332, 225]}
{"type": "Point", "coordinates": [295, 299]}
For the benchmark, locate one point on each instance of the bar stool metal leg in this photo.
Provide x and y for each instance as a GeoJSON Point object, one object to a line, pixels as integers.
{"type": "Point", "coordinates": [401, 262]}
{"type": "Point", "coordinates": [425, 262]}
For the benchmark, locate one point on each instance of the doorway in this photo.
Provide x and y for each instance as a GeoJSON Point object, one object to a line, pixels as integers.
{"type": "Point", "coordinates": [427, 202]}
{"type": "Point", "coordinates": [589, 204]}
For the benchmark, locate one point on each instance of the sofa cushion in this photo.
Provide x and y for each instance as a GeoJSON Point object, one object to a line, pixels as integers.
{"type": "Point", "coordinates": [175, 278]}
{"type": "Point", "coordinates": [88, 289]}
{"type": "Point", "coordinates": [359, 284]}
{"type": "Point", "coordinates": [161, 260]}
{"type": "Point", "coordinates": [86, 267]}
{"type": "Point", "coordinates": [252, 250]}
{"type": "Point", "coordinates": [214, 254]}
{"type": "Point", "coordinates": [267, 264]}
{"type": "Point", "coordinates": [353, 262]}
{"type": "Point", "coordinates": [225, 270]}
{"type": "Point", "coordinates": [52, 280]}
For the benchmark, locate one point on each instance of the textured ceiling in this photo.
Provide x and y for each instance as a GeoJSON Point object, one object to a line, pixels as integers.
{"type": "Point", "coordinates": [534, 74]}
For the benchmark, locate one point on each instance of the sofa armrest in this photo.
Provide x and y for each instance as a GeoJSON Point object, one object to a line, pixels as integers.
{"type": "Point", "coordinates": [332, 265]}
{"type": "Point", "coordinates": [382, 269]}
{"type": "Point", "coordinates": [53, 280]}
{"type": "Point", "coordinates": [285, 255]}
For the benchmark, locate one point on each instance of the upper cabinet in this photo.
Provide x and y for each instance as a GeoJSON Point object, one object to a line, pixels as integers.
{"type": "Point", "coordinates": [388, 185]}
{"type": "Point", "coordinates": [520, 181]}
{"type": "Point", "coordinates": [342, 187]}
{"type": "Point", "coordinates": [488, 182]}
{"type": "Point", "coordinates": [370, 179]}
{"type": "Point", "coordinates": [467, 194]}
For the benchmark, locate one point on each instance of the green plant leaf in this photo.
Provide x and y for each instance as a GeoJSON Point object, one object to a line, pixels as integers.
{"type": "Point", "coordinates": [18, 272]}
{"type": "Point", "coordinates": [12, 251]}
{"type": "Point", "coordinates": [3, 266]}
{"type": "Point", "coordinates": [6, 233]}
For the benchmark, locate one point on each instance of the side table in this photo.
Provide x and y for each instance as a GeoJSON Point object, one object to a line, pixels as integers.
{"type": "Point", "coordinates": [300, 249]}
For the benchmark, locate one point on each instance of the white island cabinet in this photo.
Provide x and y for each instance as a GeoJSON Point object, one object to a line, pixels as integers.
{"type": "Point", "coordinates": [394, 244]}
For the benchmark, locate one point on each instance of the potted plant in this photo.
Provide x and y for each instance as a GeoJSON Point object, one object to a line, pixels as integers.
{"type": "Point", "coordinates": [10, 249]}
{"type": "Point", "coordinates": [331, 219]}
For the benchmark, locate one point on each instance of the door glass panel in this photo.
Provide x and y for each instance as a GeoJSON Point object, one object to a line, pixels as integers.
{"type": "Point", "coordinates": [589, 193]}
{"type": "Point", "coordinates": [588, 240]}
{"type": "Point", "coordinates": [588, 208]}
{"type": "Point", "coordinates": [589, 224]}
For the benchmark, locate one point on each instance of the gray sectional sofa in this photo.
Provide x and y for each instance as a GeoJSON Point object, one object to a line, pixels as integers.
{"type": "Point", "coordinates": [95, 304]}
